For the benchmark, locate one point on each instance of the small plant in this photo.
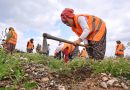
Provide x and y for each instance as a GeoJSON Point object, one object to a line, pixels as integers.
{"type": "Point", "coordinates": [65, 68]}
{"type": "Point", "coordinates": [30, 85]}
{"type": "Point", "coordinates": [18, 75]}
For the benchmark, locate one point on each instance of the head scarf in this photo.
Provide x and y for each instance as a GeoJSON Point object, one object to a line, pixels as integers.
{"type": "Point", "coordinates": [67, 13]}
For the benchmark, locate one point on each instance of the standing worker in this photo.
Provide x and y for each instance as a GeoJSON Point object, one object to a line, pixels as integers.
{"type": "Point", "coordinates": [11, 40]}
{"type": "Point", "coordinates": [30, 46]}
{"type": "Point", "coordinates": [90, 29]}
{"type": "Point", "coordinates": [119, 49]}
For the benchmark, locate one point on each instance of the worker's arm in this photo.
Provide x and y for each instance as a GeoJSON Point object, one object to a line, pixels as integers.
{"type": "Point", "coordinates": [83, 24]}
{"type": "Point", "coordinates": [8, 37]}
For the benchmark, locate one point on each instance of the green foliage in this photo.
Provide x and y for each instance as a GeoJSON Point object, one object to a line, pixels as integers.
{"type": "Point", "coordinates": [18, 75]}
{"type": "Point", "coordinates": [77, 63]}
{"type": "Point", "coordinates": [30, 85]}
{"type": "Point", "coordinates": [10, 67]}
{"type": "Point", "coordinates": [118, 67]}
{"type": "Point", "coordinates": [8, 88]}
{"type": "Point", "coordinates": [65, 68]}
{"type": "Point", "coordinates": [115, 67]}
{"type": "Point", "coordinates": [56, 64]}
{"type": "Point", "coordinates": [3, 55]}
{"type": "Point", "coordinates": [6, 64]}
{"type": "Point", "coordinates": [36, 58]}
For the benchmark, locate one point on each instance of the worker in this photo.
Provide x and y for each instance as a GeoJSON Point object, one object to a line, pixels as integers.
{"type": "Point", "coordinates": [48, 49]}
{"type": "Point", "coordinates": [90, 29]}
{"type": "Point", "coordinates": [119, 49]}
{"type": "Point", "coordinates": [11, 40]}
{"type": "Point", "coordinates": [72, 50]}
{"type": "Point", "coordinates": [66, 54]}
{"type": "Point", "coordinates": [38, 48]}
{"type": "Point", "coordinates": [57, 53]}
{"type": "Point", "coordinates": [3, 44]}
{"type": "Point", "coordinates": [30, 45]}
{"type": "Point", "coordinates": [83, 53]}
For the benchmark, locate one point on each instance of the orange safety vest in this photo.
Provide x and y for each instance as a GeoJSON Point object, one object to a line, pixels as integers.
{"type": "Point", "coordinates": [97, 27]}
{"type": "Point", "coordinates": [70, 47]}
{"type": "Point", "coordinates": [13, 39]}
{"type": "Point", "coordinates": [83, 53]}
{"type": "Point", "coordinates": [30, 45]}
{"type": "Point", "coordinates": [120, 49]}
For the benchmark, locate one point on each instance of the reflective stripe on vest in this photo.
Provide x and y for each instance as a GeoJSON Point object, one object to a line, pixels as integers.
{"type": "Point", "coordinates": [100, 23]}
{"type": "Point", "coordinates": [93, 25]}
{"type": "Point", "coordinates": [96, 26]}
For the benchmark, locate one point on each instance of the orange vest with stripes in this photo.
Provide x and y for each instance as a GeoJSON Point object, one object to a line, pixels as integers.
{"type": "Point", "coordinates": [70, 47]}
{"type": "Point", "coordinates": [120, 49]}
{"type": "Point", "coordinates": [13, 39]}
{"type": "Point", "coordinates": [96, 26]}
{"type": "Point", "coordinates": [30, 45]}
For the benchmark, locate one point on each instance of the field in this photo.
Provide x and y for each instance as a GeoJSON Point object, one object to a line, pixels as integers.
{"type": "Point", "coordinates": [25, 71]}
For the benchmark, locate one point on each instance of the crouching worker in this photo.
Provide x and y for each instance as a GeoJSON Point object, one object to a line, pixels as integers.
{"type": "Point", "coordinates": [84, 54]}
{"type": "Point", "coordinates": [57, 53]}
{"type": "Point", "coordinates": [69, 51]}
{"type": "Point", "coordinates": [30, 46]}
{"type": "Point", "coordinates": [66, 54]}
{"type": "Point", "coordinates": [90, 29]}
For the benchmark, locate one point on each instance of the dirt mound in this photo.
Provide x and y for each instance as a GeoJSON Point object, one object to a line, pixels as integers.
{"type": "Point", "coordinates": [79, 79]}
{"type": "Point", "coordinates": [104, 81]}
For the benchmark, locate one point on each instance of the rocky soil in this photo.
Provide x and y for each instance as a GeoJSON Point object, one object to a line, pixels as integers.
{"type": "Point", "coordinates": [80, 79]}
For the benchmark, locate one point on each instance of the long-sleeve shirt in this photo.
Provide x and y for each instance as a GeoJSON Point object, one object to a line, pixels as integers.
{"type": "Point", "coordinates": [8, 36]}
{"type": "Point", "coordinates": [59, 48]}
{"type": "Point", "coordinates": [83, 24]}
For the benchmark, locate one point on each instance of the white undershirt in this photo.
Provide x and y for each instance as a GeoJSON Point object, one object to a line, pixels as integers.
{"type": "Point", "coordinates": [59, 48]}
{"type": "Point", "coordinates": [83, 24]}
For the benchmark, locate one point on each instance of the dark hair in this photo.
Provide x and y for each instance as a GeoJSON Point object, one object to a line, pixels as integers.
{"type": "Point", "coordinates": [118, 41]}
{"type": "Point", "coordinates": [3, 39]}
{"type": "Point", "coordinates": [31, 39]}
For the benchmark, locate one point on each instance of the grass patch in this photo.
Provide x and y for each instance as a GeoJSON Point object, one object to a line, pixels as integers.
{"type": "Point", "coordinates": [30, 85]}
{"type": "Point", "coordinates": [10, 66]}
{"type": "Point", "coordinates": [118, 67]}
